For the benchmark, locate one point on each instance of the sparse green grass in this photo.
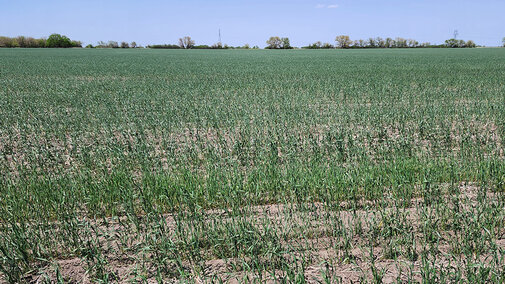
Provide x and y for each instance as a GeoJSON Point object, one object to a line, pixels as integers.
{"type": "Point", "coordinates": [252, 165]}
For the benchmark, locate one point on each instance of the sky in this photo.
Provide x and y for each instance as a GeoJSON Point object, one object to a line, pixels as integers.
{"type": "Point", "coordinates": [253, 22]}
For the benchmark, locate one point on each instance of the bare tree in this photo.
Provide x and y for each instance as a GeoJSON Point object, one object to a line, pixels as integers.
{"type": "Point", "coordinates": [133, 44]}
{"type": "Point", "coordinates": [186, 42]}
{"type": "Point", "coordinates": [343, 41]}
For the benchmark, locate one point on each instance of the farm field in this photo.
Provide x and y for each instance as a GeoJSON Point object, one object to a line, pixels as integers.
{"type": "Point", "coordinates": [317, 166]}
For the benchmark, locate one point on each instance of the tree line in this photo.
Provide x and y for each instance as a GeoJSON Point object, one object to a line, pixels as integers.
{"type": "Point", "coordinates": [344, 41]}
{"type": "Point", "coordinates": [54, 40]}
{"type": "Point", "coordinates": [188, 43]}
{"type": "Point", "coordinates": [274, 42]}
{"type": "Point", "coordinates": [113, 44]}
{"type": "Point", "coordinates": [341, 41]}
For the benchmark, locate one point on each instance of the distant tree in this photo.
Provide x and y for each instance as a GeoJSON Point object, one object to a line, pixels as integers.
{"type": "Point", "coordinates": [124, 44]}
{"type": "Point", "coordinates": [359, 43]}
{"type": "Point", "coordinates": [413, 43]}
{"type": "Point", "coordinates": [246, 46]}
{"type": "Point", "coordinates": [389, 42]}
{"type": "Point", "coordinates": [14, 43]}
{"type": "Point", "coordinates": [372, 43]}
{"type": "Point", "coordinates": [315, 45]}
{"type": "Point", "coordinates": [112, 44]}
{"type": "Point", "coordinates": [8, 42]}
{"type": "Point", "coordinates": [470, 44]}
{"type": "Point", "coordinates": [164, 46]}
{"type": "Point", "coordinates": [54, 40]}
{"type": "Point", "coordinates": [202, 46]}
{"type": "Point", "coordinates": [89, 46]}
{"type": "Point", "coordinates": [57, 40]}
{"type": "Point", "coordinates": [36, 42]}
{"type": "Point", "coordinates": [41, 42]}
{"type": "Point", "coordinates": [425, 44]}
{"type": "Point", "coordinates": [503, 41]}
{"type": "Point", "coordinates": [343, 41]}
{"type": "Point", "coordinates": [285, 44]}
{"type": "Point", "coordinates": [218, 45]}
{"type": "Point", "coordinates": [454, 43]}
{"type": "Point", "coordinates": [186, 42]}
{"type": "Point", "coordinates": [327, 45]}
{"type": "Point", "coordinates": [400, 42]}
{"type": "Point", "coordinates": [31, 42]}
{"type": "Point", "coordinates": [21, 41]}
{"type": "Point", "coordinates": [133, 44]}
{"type": "Point", "coordinates": [380, 42]}
{"type": "Point", "coordinates": [274, 42]}
{"type": "Point", "coordinates": [319, 45]}
{"type": "Point", "coordinates": [451, 43]}
{"type": "Point", "coordinates": [4, 41]}
{"type": "Point", "coordinates": [76, 43]}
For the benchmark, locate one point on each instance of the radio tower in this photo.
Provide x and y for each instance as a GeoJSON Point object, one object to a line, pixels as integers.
{"type": "Point", "coordinates": [456, 33]}
{"type": "Point", "coordinates": [219, 41]}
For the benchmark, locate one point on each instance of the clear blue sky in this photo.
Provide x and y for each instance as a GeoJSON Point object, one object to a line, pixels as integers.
{"type": "Point", "coordinates": [248, 21]}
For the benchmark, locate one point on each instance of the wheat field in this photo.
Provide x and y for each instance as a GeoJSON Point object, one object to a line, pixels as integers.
{"type": "Point", "coordinates": [299, 166]}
